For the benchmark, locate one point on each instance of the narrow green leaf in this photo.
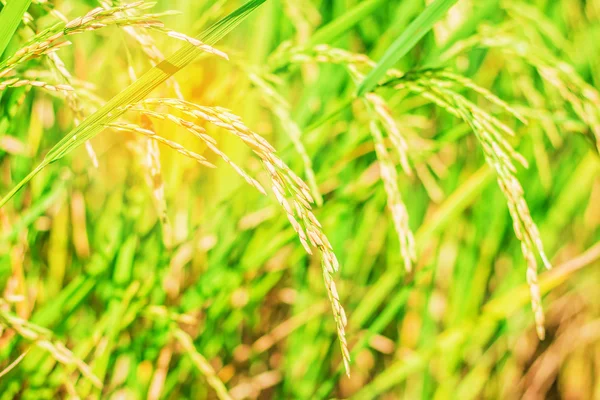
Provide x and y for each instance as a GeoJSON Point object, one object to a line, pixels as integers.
{"type": "Point", "coordinates": [135, 92]}
{"type": "Point", "coordinates": [10, 18]}
{"type": "Point", "coordinates": [405, 42]}
{"type": "Point", "coordinates": [332, 30]}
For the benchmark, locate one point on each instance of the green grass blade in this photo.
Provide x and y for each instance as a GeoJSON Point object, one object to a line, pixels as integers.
{"type": "Point", "coordinates": [329, 32]}
{"type": "Point", "coordinates": [96, 122]}
{"type": "Point", "coordinates": [10, 18]}
{"type": "Point", "coordinates": [405, 42]}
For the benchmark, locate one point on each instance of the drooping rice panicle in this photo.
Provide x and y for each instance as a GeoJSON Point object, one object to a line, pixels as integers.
{"type": "Point", "coordinates": [176, 310]}
{"type": "Point", "coordinates": [98, 18]}
{"type": "Point", "coordinates": [383, 112]}
{"type": "Point", "coordinates": [323, 53]}
{"type": "Point", "coordinates": [13, 364]}
{"type": "Point", "coordinates": [381, 115]}
{"type": "Point", "coordinates": [124, 15]}
{"type": "Point", "coordinates": [59, 65]}
{"type": "Point", "coordinates": [40, 337]}
{"type": "Point", "coordinates": [200, 133]}
{"type": "Point", "coordinates": [583, 98]}
{"type": "Point", "coordinates": [202, 364]}
{"type": "Point", "coordinates": [73, 100]}
{"type": "Point", "coordinates": [155, 180]}
{"type": "Point", "coordinates": [500, 155]}
{"type": "Point", "coordinates": [127, 127]}
{"type": "Point", "coordinates": [16, 82]}
{"type": "Point", "coordinates": [281, 109]}
{"type": "Point", "coordinates": [193, 41]}
{"type": "Point", "coordinates": [50, 39]}
{"type": "Point", "coordinates": [290, 191]}
{"type": "Point", "coordinates": [357, 64]}
{"type": "Point", "coordinates": [378, 108]}
{"type": "Point", "coordinates": [148, 47]}
{"type": "Point", "coordinates": [397, 208]}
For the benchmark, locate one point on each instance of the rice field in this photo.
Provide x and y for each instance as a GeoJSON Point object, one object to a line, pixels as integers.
{"type": "Point", "coordinates": [299, 199]}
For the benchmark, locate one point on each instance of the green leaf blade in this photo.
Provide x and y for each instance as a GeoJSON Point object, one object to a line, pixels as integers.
{"type": "Point", "coordinates": [405, 42]}
{"type": "Point", "coordinates": [10, 18]}
{"type": "Point", "coordinates": [331, 31]}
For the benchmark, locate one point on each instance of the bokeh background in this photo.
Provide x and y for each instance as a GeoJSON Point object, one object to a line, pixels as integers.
{"type": "Point", "coordinates": [85, 261]}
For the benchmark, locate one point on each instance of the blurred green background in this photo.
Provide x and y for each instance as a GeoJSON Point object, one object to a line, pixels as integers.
{"type": "Point", "coordinates": [86, 263]}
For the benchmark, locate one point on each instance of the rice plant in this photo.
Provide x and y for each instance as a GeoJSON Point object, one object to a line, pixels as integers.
{"type": "Point", "coordinates": [296, 199]}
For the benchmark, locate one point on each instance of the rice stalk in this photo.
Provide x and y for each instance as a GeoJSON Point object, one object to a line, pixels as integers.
{"type": "Point", "coordinates": [202, 364]}
{"type": "Point", "coordinates": [39, 337]}
{"type": "Point", "coordinates": [155, 181]}
{"type": "Point", "coordinates": [13, 364]}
